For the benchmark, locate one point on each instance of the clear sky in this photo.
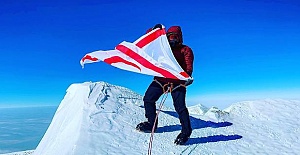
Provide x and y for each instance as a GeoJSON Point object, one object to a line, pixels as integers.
{"type": "Point", "coordinates": [244, 49]}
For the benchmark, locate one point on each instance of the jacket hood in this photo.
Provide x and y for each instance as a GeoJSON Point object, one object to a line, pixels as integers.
{"type": "Point", "coordinates": [176, 30]}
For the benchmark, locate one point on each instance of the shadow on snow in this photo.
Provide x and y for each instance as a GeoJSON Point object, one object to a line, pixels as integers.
{"type": "Point", "coordinates": [215, 138]}
{"type": "Point", "coordinates": [195, 122]}
{"type": "Point", "coordinates": [198, 124]}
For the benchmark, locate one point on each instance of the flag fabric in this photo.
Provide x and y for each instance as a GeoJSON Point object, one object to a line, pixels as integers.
{"type": "Point", "coordinates": [151, 54]}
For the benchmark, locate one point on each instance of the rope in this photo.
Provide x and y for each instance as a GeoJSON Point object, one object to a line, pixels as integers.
{"type": "Point", "coordinates": [165, 96]}
{"type": "Point", "coordinates": [170, 88]}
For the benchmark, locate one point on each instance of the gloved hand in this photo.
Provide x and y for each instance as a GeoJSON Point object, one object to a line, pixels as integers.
{"type": "Point", "coordinates": [157, 26]}
{"type": "Point", "coordinates": [189, 81]}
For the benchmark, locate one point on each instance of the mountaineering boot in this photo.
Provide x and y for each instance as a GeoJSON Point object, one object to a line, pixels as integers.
{"type": "Point", "coordinates": [181, 139]}
{"type": "Point", "coordinates": [145, 127]}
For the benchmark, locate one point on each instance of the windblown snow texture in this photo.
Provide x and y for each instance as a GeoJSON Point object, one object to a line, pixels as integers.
{"type": "Point", "coordinates": [99, 118]}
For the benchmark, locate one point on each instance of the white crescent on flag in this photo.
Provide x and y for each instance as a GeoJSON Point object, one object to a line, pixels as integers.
{"type": "Point", "coordinates": [151, 54]}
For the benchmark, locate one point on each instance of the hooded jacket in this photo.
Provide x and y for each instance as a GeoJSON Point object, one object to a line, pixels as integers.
{"type": "Point", "coordinates": [183, 54]}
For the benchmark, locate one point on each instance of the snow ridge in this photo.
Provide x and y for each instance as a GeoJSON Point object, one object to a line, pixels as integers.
{"type": "Point", "coordinates": [99, 118]}
{"type": "Point", "coordinates": [80, 114]}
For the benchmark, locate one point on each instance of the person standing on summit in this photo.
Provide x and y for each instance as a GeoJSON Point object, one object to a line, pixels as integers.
{"type": "Point", "coordinates": [184, 56]}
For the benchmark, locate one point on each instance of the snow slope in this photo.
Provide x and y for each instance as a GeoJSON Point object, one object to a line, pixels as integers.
{"type": "Point", "coordinates": [99, 118]}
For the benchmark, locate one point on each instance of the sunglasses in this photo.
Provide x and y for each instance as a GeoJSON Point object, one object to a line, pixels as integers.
{"type": "Point", "coordinates": [172, 36]}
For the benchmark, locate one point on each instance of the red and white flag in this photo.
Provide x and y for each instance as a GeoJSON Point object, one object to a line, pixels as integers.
{"type": "Point", "coordinates": [151, 54]}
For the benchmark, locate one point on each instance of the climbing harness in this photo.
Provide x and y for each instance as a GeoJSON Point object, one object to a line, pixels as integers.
{"type": "Point", "coordinates": [167, 88]}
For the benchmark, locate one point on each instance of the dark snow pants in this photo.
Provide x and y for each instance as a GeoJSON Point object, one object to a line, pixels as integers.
{"type": "Point", "coordinates": [153, 93]}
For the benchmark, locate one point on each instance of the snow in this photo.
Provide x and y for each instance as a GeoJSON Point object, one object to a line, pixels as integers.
{"type": "Point", "coordinates": [100, 118]}
{"type": "Point", "coordinates": [28, 152]}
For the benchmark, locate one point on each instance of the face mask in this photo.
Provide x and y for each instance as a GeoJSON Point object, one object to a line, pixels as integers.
{"type": "Point", "coordinates": [173, 43]}
{"type": "Point", "coordinates": [173, 39]}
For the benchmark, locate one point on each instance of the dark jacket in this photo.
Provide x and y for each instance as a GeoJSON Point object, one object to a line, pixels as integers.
{"type": "Point", "coordinates": [183, 54]}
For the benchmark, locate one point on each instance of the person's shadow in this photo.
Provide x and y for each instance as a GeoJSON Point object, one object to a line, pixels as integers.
{"type": "Point", "coordinates": [214, 138]}
{"type": "Point", "coordinates": [198, 124]}
{"type": "Point", "coordinates": [195, 122]}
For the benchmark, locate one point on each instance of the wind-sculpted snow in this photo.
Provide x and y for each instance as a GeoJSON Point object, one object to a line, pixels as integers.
{"type": "Point", "coordinates": [99, 118]}
{"type": "Point", "coordinates": [271, 126]}
{"type": "Point", "coordinates": [28, 152]}
{"type": "Point", "coordinates": [87, 110]}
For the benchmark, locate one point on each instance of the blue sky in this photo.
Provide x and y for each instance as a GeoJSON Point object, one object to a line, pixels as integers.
{"type": "Point", "coordinates": [244, 49]}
